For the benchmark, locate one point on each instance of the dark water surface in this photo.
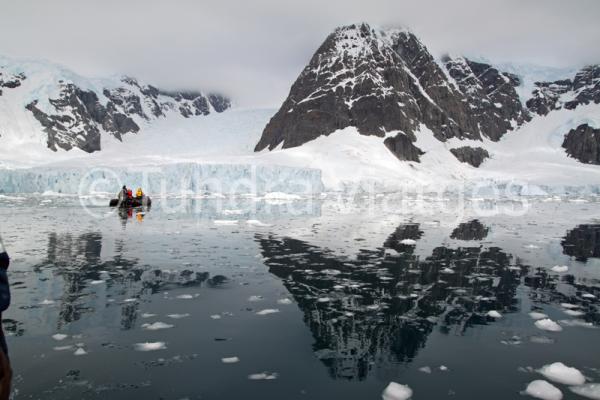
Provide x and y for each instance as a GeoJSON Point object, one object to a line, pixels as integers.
{"type": "Point", "coordinates": [326, 303]}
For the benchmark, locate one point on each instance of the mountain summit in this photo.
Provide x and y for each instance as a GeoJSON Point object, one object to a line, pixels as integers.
{"type": "Point", "coordinates": [386, 83]}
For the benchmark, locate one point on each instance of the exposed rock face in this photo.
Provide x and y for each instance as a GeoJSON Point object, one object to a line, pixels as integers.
{"type": "Point", "coordinates": [403, 147]}
{"type": "Point", "coordinates": [491, 96]}
{"type": "Point", "coordinates": [583, 144]}
{"type": "Point", "coordinates": [77, 117]}
{"type": "Point", "coordinates": [471, 155]}
{"type": "Point", "coordinates": [583, 89]}
{"type": "Point", "coordinates": [9, 80]}
{"type": "Point", "coordinates": [386, 81]}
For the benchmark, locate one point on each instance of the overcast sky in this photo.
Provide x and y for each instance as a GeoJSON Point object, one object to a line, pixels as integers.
{"type": "Point", "coordinates": [254, 50]}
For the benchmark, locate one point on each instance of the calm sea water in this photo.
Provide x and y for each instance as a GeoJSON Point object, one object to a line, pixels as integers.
{"type": "Point", "coordinates": [332, 301]}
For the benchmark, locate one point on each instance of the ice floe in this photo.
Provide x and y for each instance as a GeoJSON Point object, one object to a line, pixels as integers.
{"type": "Point", "coordinates": [591, 390]}
{"type": "Point", "coordinates": [543, 390]}
{"type": "Point", "coordinates": [560, 268]}
{"type": "Point", "coordinates": [178, 316]}
{"type": "Point", "coordinates": [284, 301]}
{"type": "Point", "coordinates": [156, 326]}
{"type": "Point", "coordinates": [537, 315]}
{"type": "Point", "coordinates": [494, 314]}
{"type": "Point", "coordinates": [150, 346]}
{"type": "Point", "coordinates": [408, 242]}
{"type": "Point", "coordinates": [426, 370]}
{"type": "Point", "coordinates": [267, 311]}
{"type": "Point", "coordinates": [230, 360]}
{"type": "Point", "coordinates": [225, 222]}
{"type": "Point", "coordinates": [59, 336]}
{"type": "Point", "coordinates": [263, 376]}
{"type": "Point", "coordinates": [547, 324]}
{"type": "Point", "coordinates": [396, 391]}
{"type": "Point", "coordinates": [80, 352]}
{"type": "Point", "coordinates": [560, 373]}
{"type": "Point", "coordinates": [148, 315]}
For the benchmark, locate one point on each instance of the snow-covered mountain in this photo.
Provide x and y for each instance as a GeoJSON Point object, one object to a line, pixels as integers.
{"type": "Point", "coordinates": [441, 118]}
{"type": "Point", "coordinates": [45, 103]}
{"type": "Point", "coordinates": [372, 110]}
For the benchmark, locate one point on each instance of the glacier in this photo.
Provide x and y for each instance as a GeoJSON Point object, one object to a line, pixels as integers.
{"type": "Point", "coordinates": [177, 178]}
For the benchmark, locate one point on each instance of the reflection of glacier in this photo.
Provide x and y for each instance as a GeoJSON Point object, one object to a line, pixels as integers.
{"type": "Point", "coordinates": [77, 261]}
{"type": "Point", "coordinates": [379, 309]}
{"type": "Point", "coordinates": [169, 178]}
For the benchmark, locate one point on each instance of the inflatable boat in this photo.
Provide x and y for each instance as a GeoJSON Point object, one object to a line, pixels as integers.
{"type": "Point", "coordinates": [131, 203]}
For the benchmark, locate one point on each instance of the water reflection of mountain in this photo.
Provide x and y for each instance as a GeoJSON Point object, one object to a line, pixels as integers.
{"type": "Point", "coordinates": [379, 308]}
{"type": "Point", "coordinates": [582, 242]}
{"type": "Point", "coordinates": [77, 260]}
{"type": "Point", "coordinates": [472, 230]}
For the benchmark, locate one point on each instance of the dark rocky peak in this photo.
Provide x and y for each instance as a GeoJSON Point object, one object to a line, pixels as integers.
{"type": "Point", "coordinates": [583, 89]}
{"type": "Point", "coordinates": [386, 83]}
{"type": "Point", "coordinates": [583, 144]}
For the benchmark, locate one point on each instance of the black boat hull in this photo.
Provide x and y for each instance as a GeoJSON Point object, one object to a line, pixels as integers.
{"type": "Point", "coordinates": [132, 203]}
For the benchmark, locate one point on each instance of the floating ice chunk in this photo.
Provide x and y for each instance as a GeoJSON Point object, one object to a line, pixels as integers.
{"type": "Point", "coordinates": [426, 370]}
{"type": "Point", "coordinates": [443, 368]}
{"type": "Point", "coordinates": [543, 390]}
{"type": "Point", "coordinates": [396, 391]}
{"type": "Point", "coordinates": [560, 268]}
{"type": "Point", "coordinates": [560, 373]}
{"type": "Point", "coordinates": [331, 272]}
{"type": "Point", "coordinates": [447, 271]}
{"type": "Point", "coordinates": [256, 222]}
{"type": "Point", "coordinates": [215, 316]}
{"type": "Point", "coordinates": [230, 360]}
{"type": "Point", "coordinates": [156, 326]}
{"type": "Point", "coordinates": [59, 336]}
{"type": "Point", "coordinates": [577, 322]}
{"type": "Point", "coordinates": [547, 324]}
{"type": "Point", "coordinates": [255, 298]}
{"type": "Point", "coordinates": [233, 212]}
{"type": "Point", "coordinates": [63, 348]}
{"type": "Point", "coordinates": [130, 300]}
{"type": "Point", "coordinates": [569, 305]}
{"type": "Point", "coordinates": [324, 299]}
{"type": "Point", "coordinates": [541, 340]}
{"type": "Point", "coordinates": [591, 390]}
{"type": "Point", "coordinates": [537, 315]}
{"type": "Point", "coordinates": [588, 296]}
{"type": "Point", "coordinates": [185, 296]}
{"type": "Point", "coordinates": [263, 376]}
{"type": "Point", "coordinates": [178, 316]}
{"type": "Point", "coordinates": [225, 222]}
{"type": "Point", "coordinates": [267, 311]}
{"type": "Point", "coordinates": [494, 314]}
{"type": "Point", "coordinates": [284, 301]}
{"type": "Point", "coordinates": [150, 346]}
{"type": "Point", "coordinates": [281, 196]}
{"type": "Point", "coordinates": [408, 242]}
{"type": "Point", "coordinates": [46, 302]}
{"type": "Point", "coordinates": [574, 313]}
{"type": "Point", "coordinates": [97, 282]}
{"type": "Point", "coordinates": [80, 352]}
{"type": "Point", "coordinates": [148, 315]}
{"type": "Point", "coordinates": [532, 246]}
